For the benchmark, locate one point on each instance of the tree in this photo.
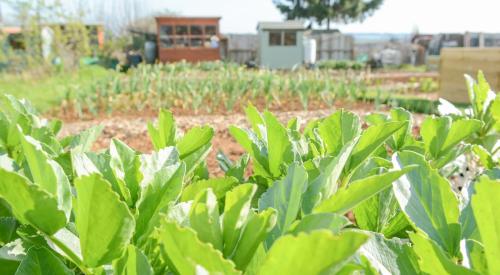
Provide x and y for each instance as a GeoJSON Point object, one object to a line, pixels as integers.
{"type": "Point", "coordinates": [328, 10]}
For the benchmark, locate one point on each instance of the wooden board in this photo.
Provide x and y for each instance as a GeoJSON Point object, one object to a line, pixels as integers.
{"type": "Point", "coordinates": [455, 62]}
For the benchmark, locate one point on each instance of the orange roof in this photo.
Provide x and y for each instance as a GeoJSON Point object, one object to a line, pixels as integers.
{"type": "Point", "coordinates": [11, 30]}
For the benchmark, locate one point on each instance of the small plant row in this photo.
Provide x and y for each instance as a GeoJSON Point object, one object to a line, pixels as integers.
{"type": "Point", "coordinates": [65, 209]}
{"type": "Point", "coordinates": [189, 87]}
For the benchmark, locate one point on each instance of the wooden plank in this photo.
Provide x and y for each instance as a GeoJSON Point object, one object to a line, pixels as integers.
{"type": "Point", "coordinates": [455, 62]}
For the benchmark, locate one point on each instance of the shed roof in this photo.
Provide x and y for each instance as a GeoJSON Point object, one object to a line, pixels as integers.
{"type": "Point", "coordinates": [284, 25]}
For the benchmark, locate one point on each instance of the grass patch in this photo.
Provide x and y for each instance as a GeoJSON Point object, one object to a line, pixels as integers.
{"type": "Point", "coordinates": [47, 91]}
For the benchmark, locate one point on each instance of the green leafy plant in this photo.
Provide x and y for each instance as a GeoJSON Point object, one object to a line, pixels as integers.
{"type": "Point", "coordinates": [331, 197]}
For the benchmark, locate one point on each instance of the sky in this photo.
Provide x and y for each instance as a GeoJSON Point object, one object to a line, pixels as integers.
{"type": "Point", "coordinates": [395, 16]}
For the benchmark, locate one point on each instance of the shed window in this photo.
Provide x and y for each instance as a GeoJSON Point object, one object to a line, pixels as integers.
{"type": "Point", "coordinates": [210, 30]}
{"type": "Point", "coordinates": [196, 42]}
{"type": "Point", "coordinates": [290, 38]}
{"type": "Point", "coordinates": [196, 30]}
{"type": "Point", "coordinates": [181, 42]}
{"type": "Point", "coordinates": [275, 39]}
{"type": "Point", "coordinates": [181, 30]}
{"type": "Point", "coordinates": [166, 30]}
{"type": "Point", "coordinates": [166, 42]}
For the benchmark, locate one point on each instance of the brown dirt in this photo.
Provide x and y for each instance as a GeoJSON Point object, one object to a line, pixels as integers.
{"type": "Point", "coordinates": [133, 129]}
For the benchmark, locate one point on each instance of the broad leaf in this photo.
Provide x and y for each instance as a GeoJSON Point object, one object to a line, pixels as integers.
{"type": "Point", "coordinates": [164, 135]}
{"type": "Point", "coordinates": [30, 204]}
{"type": "Point", "coordinates": [104, 223]}
{"type": "Point", "coordinates": [204, 219]}
{"type": "Point", "coordinates": [220, 186]}
{"type": "Point", "coordinates": [312, 222]}
{"type": "Point", "coordinates": [371, 139]}
{"type": "Point", "coordinates": [390, 256]}
{"type": "Point", "coordinates": [236, 211]}
{"type": "Point", "coordinates": [164, 188]}
{"type": "Point", "coordinates": [285, 196]}
{"type": "Point", "coordinates": [474, 256]}
{"type": "Point", "coordinates": [40, 260]}
{"type": "Point", "coordinates": [278, 145]}
{"type": "Point", "coordinates": [134, 262]}
{"type": "Point", "coordinates": [485, 208]}
{"type": "Point", "coordinates": [326, 184]}
{"type": "Point", "coordinates": [339, 129]}
{"type": "Point", "coordinates": [125, 164]}
{"type": "Point", "coordinates": [428, 200]}
{"type": "Point", "coordinates": [433, 260]}
{"type": "Point", "coordinates": [255, 232]}
{"type": "Point", "coordinates": [188, 254]}
{"type": "Point", "coordinates": [381, 213]}
{"type": "Point", "coordinates": [305, 253]}
{"type": "Point", "coordinates": [47, 173]}
{"type": "Point", "coordinates": [194, 139]}
{"type": "Point", "coordinates": [358, 191]}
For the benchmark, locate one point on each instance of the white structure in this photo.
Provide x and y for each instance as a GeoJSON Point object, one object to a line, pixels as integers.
{"type": "Point", "coordinates": [281, 44]}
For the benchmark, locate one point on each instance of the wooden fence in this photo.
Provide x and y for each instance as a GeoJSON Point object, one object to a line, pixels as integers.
{"type": "Point", "coordinates": [334, 46]}
{"type": "Point", "coordinates": [455, 62]}
{"type": "Point", "coordinates": [241, 48]}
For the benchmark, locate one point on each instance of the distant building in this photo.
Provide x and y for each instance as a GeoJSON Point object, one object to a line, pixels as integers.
{"type": "Point", "coordinates": [281, 44]}
{"type": "Point", "coordinates": [193, 39]}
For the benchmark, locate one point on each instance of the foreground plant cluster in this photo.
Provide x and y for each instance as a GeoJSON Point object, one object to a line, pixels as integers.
{"type": "Point", "coordinates": [331, 197]}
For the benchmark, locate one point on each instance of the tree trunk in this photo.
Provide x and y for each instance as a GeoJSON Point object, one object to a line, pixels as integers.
{"type": "Point", "coordinates": [328, 23]}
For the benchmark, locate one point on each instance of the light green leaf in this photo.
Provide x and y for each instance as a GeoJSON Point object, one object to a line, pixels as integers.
{"type": "Point", "coordinates": [358, 191]}
{"type": "Point", "coordinates": [285, 196]}
{"type": "Point", "coordinates": [194, 139]}
{"type": "Point", "coordinates": [279, 146]}
{"type": "Point", "coordinates": [187, 254]}
{"type": "Point", "coordinates": [236, 211]}
{"type": "Point", "coordinates": [255, 119]}
{"type": "Point", "coordinates": [381, 214]}
{"type": "Point", "coordinates": [83, 141]}
{"type": "Point", "coordinates": [371, 139]}
{"type": "Point", "coordinates": [440, 135]}
{"type": "Point", "coordinates": [220, 186]}
{"type": "Point", "coordinates": [41, 261]}
{"type": "Point", "coordinates": [125, 164]}
{"type": "Point", "coordinates": [459, 131]}
{"type": "Point", "coordinates": [485, 208]}
{"type": "Point", "coordinates": [104, 223]}
{"type": "Point", "coordinates": [255, 232]}
{"type": "Point", "coordinates": [196, 158]}
{"type": "Point", "coordinates": [47, 173]}
{"type": "Point", "coordinates": [400, 137]}
{"type": "Point", "coordinates": [164, 135]}
{"type": "Point", "coordinates": [390, 256]}
{"type": "Point", "coordinates": [165, 187]}
{"type": "Point", "coordinates": [433, 260]}
{"type": "Point", "coordinates": [428, 200]}
{"type": "Point", "coordinates": [30, 204]}
{"type": "Point", "coordinates": [484, 156]}
{"type": "Point", "coordinates": [305, 253]}
{"type": "Point", "coordinates": [326, 184]}
{"type": "Point", "coordinates": [311, 222]}
{"type": "Point", "coordinates": [474, 256]}
{"type": "Point", "coordinates": [204, 219]}
{"type": "Point", "coordinates": [434, 132]}
{"type": "Point", "coordinates": [339, 129]}
{"type": "Point", "coordinates": [134, 262]}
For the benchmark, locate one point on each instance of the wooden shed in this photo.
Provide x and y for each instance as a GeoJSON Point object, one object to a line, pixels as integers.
{"type": "Point", "coordinates": [193, 39]}
{"type": "Point", "coordinates": [455, 62]}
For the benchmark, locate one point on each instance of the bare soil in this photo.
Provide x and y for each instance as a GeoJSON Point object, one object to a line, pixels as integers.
{"type": "Point", "coordinates": [132, 129]}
